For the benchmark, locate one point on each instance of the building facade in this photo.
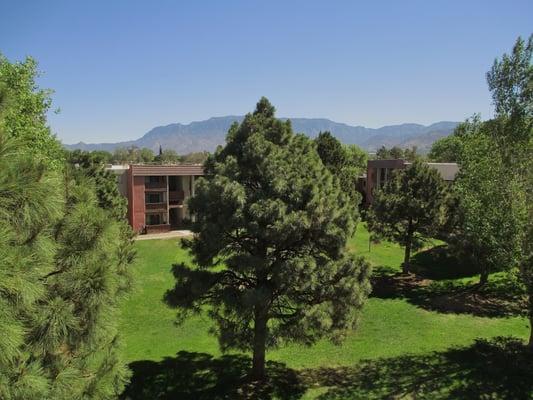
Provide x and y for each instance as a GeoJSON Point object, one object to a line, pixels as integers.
{"type": "Point", "coordinates": [157, 194]}
{"type": "Point", "coordinates": [379, 172]}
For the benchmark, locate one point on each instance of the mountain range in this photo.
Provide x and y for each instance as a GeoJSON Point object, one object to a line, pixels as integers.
{"type": "Point", "coordinates": [208, 134]}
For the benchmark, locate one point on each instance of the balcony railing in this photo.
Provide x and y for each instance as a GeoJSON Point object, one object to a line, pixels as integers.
{"type": "Point", "coordinates": [156, 206]}
{"type": "Point", "coordinates": [176, 196]}
{"type": "Point", "coordinates": [156, 185]}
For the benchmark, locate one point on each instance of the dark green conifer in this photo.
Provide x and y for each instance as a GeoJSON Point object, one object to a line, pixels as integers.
{"type": "Point", "coordinates": [271, 227]}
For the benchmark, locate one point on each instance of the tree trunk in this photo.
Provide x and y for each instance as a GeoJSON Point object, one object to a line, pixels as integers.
{"type": "Point", "coordinates": [406, 259]}
{"type": "Point", "coordinates": [260, 332]}
{"type": "Point", "coordinates": [530, 344]}
{"type": "Point", "coordinates": [407, 256]}
{"type": "Point", "coordinates": [483, 276]}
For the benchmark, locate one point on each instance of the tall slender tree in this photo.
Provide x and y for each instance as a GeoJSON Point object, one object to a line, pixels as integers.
{"type": "Point", "coordinates": [510, 81]}
{"type": "Point", "coordinates": [271, 226]}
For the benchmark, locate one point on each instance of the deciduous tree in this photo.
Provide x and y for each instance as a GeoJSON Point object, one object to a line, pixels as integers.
{"type": "Point", "coordinates": [24, 110]}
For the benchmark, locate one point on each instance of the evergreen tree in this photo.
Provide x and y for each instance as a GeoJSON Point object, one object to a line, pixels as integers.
{"type": "Point", "coordinates": [393, 153]}
{"type": "Point", "coordinates": [64, 268]}
{"type": "Point", "coordinates": [271, 227]}
{"type": "Point", "coordinates": [91, 164]}
{"type": "Point", "coordinates": [409, 208]}
{"type": "Point", "coordinates": [345, 163]}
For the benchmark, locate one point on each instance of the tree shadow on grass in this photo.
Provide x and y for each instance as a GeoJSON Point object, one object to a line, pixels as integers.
{"type": "Point", "coordinates": [438, 263]}
{"type": "Point", "coordinates": [436, 285]}
{"type": "Point", "coordinates": [498, 369]}
{"type": "Point", "coordinates": [501, 368]}
{"type": "Point", "coordinates": [199, 376]}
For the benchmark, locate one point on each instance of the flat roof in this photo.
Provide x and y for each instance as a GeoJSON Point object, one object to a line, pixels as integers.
{"type": "Point", "coordinates": [172, 170]}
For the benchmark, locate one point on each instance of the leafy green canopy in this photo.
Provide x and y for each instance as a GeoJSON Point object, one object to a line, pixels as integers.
{"type": "Point", "coordinates": [495, 183]}
{"type": "Point", "coordinates": [409, 208]}
{"type": "Point", "coordinates": [486, 192]}
{"type": "Point", "coordinates": [24, 110]}
{"type": "Point", "coordinates": [271, 228]}
{"type": "Point", "coordinates": [510, 81]}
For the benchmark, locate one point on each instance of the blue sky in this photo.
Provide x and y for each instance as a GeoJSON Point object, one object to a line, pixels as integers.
{"type": "Point", "coordinates": [119, 68]}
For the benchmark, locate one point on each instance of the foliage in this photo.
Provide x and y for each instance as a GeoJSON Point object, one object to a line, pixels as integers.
{"type": "Point", "coordinates": [278, 221]}
{"type": "Point", "coordinates": [64, 268]}
{"type": "Point", "coordinates": [146, 155]}
{"type": "Point", "coordinates": [121, 155]}
{"type": "Point", "coordinates": [132, 154]}
{"type": "Point", "coordinates": [196, 158]}
{"type": "Point", "coordinates": [345, 163]}
{"type": "Point", "coordinates": [25, 108]}
{"type": "Point", "coordinates": [511, 83]}
{"type": "Point", "coordinates": [446, 149]}
{"type": "Point", "coordinates": [92, 165]}
{"type": "Point", "coordinates": [409, 208]}
{"type": "Point", "coordinates": [488, 225]}
{"type": "Point", "coordinates": [168, 156]}
{"type": "Point", "coordinates": [511, 80]}
{"type": "Point", "coordinates": [396, 152]}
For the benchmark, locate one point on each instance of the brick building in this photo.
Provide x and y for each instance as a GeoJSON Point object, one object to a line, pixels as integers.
{"type": "Point", "coordinates": [157, 194]}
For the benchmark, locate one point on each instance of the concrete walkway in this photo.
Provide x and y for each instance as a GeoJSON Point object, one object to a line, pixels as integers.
{"type": "Point", "coordinates": [165, 235]}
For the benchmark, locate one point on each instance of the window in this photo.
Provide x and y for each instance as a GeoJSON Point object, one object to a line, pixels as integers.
{"type": "Point", "coordinates": [151, 198]}
{"type": "Point", "coordinates": [156, 219]}
{"type": "Point", "coordinates": [153, 219]}
{"type": "Point", "coordinates": [382, 176]}
{"type": "Point", "coordinates": [153, 180]}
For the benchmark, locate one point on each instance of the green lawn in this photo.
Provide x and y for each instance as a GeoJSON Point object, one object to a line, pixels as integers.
{"type": "Point", "coordinates": [390, 329]}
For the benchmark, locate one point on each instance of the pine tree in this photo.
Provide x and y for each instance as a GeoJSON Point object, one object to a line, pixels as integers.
{"type": "Point", "coordinates": [64, 267]}
{"type": "Point", "coordinates": [271, 227]}
{"type": "Point", "coordinates": [345, 163]}
{"type": "Point", "coordinates": [409, 208]}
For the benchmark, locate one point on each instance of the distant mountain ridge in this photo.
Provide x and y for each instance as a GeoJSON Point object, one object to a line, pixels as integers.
{"type": "Point", "coordinates": [208, 134]}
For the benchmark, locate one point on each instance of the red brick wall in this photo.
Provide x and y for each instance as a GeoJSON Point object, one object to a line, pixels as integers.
{"type": "Point", "coordinates": [137, 198]}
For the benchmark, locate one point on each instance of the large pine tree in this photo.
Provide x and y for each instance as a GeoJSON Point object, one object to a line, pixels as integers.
{"type": "Point", "coordinates": [271, 227]}
{"type": "Point", "coordinates": [63, 265]}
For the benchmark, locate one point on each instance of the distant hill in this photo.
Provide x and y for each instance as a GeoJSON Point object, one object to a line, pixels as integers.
{"type": "Point", "coordinates": [208, 134]}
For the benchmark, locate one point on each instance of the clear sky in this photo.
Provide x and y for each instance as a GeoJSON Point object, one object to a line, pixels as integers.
{"type": "Point", "coordinates": [119, 68]}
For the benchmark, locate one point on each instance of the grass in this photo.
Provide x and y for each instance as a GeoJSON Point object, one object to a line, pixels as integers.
{"type": "Point", "coordinates": [390, 329]}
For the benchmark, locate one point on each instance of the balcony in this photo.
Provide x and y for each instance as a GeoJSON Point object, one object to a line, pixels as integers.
{"type": "Point", "coordinates": [156, 206]}
{"type": "Point", "coordinates": [155, 186]}
{"type": "Point", "coordinates": [176, 197]}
